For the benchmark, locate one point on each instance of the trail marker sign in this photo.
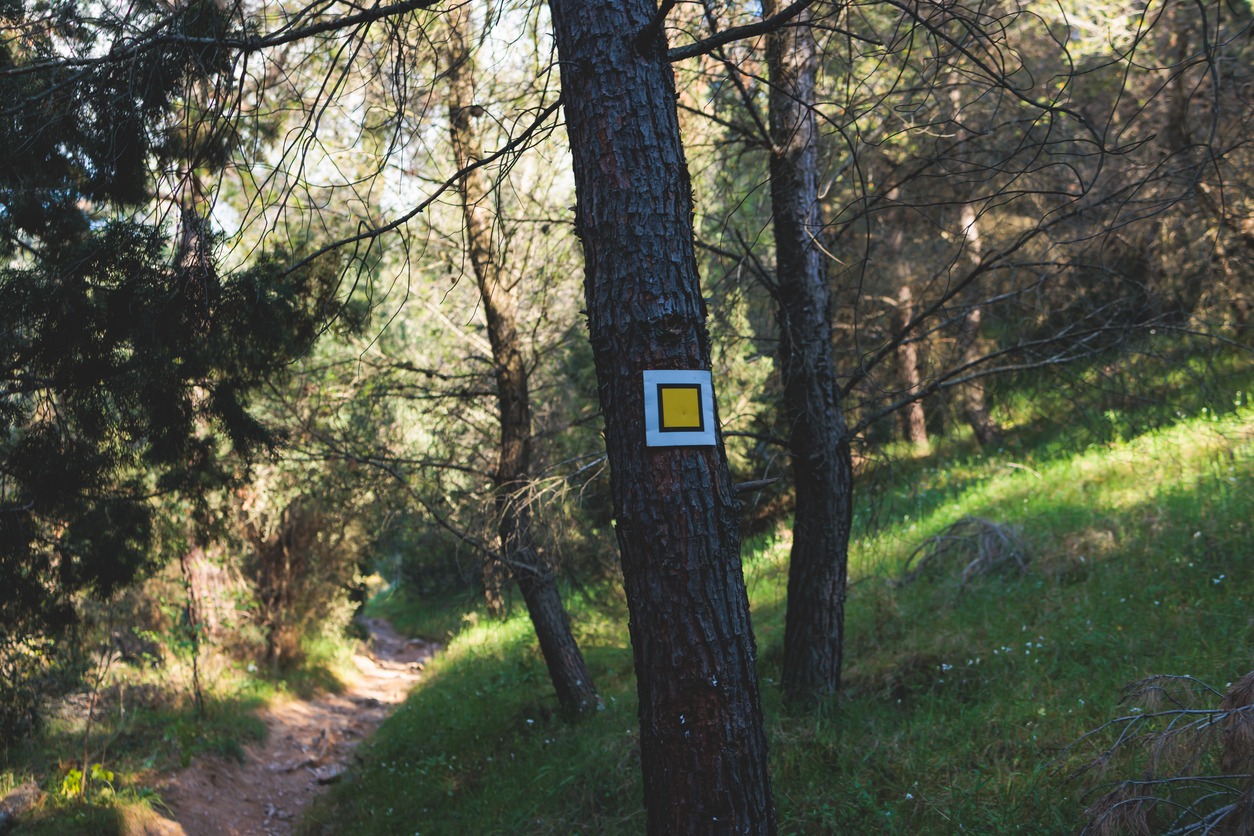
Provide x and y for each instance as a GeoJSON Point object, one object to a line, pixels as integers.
{"type": "Point", "coordinates": [678, 408]}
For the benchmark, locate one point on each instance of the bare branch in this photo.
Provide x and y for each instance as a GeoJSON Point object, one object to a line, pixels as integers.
{"type": "Point", "coordinates": [736, 33]}
{"type": "Point", "coordinates": [244, 46]}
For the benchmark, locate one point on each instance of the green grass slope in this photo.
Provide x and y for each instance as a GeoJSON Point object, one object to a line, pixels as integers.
{"type": "Point", "coordinates": [960, 695]}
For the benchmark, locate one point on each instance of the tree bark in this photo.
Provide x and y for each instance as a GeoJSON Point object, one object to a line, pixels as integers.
{"type": "Point", "coordinates": [818, 438]}
{"type": "Point", "coordinates": [702, 744]}
{"type": "Point", "coordinates": [576, 693]}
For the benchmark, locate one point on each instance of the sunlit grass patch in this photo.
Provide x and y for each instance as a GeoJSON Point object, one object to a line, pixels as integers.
{"type": "Point", "coordinates": [435, 618]}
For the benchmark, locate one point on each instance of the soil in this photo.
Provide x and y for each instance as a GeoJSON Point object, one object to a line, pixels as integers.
{"type": "Point", "coordinates": [309, 745]}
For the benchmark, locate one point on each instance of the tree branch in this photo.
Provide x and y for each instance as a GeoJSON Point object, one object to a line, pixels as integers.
{"type": "Point", "coordinates": [646, 39]}
{"type": "Point", "coordinates": [449, 183]}
{"type": "Point", "coordinates": [244, 46]}
{"type": "Point", "coordinates": [736, 33]}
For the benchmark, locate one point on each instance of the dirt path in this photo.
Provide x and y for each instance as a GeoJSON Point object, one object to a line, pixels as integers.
{"type": "Point", "coordinates": [310, 743]}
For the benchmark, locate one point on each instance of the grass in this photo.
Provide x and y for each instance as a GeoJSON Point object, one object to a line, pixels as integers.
{"type": "Point", "coordinates": [959, 699]}
{"type": "Point", "coordinates": [436, 618]}
{"type": "Point", "coordinates": [138, 732]}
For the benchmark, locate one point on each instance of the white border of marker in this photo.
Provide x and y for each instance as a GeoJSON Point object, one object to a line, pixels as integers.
{"type": "Point", "coordinates": [653, 435]}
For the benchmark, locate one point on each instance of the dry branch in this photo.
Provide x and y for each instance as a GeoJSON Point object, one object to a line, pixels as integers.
{"type": "Point", "coordinates": [981, 546]}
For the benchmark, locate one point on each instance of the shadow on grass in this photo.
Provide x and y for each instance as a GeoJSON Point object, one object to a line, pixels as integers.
{"type": "Point", "coordinates": [958, 697]}
{"type": "Point", "coordinates": [126, 815]}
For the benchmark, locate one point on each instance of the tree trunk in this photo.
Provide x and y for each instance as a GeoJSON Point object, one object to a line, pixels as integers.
{"type": "Point", "coordinates": [914, 422]}
{"type": "Point", "coordinates": [971, 394]}
{"type": "Point", "coordinates": [493, 574]}
{"type": "Point", "coordinates": [702, 744]}
{"type": "Point", "coordinates": [972, 398]}
{"type": "Point", "coordinates": [576, 693]}
{"type": "Point", "coordinates": [818, 439]}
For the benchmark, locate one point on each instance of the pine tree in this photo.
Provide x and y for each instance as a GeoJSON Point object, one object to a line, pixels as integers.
{"type": "Point", "coordinates": [126, 356]}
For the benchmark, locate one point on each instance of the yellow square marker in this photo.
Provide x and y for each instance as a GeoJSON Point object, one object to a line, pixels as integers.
{"type": "Point", "coordinates": [679, 407]}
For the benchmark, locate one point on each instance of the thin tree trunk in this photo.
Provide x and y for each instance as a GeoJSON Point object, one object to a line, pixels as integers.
{"type": "Point", "coordinates": [818, 438]}
{"type": "Point", "coordinates": [914, 422]}
{"type": "Point", "coordinates": [576, 693]}
{"type": "Point", "coordinates": [972, 395]}
{"type": "Point", "coordinates": [1177, 128]}
{"type": "Point", "coordinates": [702, 743]}
{"type": "Point", "coordinates": [195, 625]}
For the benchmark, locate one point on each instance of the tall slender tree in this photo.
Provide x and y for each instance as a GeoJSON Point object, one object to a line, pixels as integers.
{"type": "Point", "coordinates": [971, 395]}
{"type": "Point", "coordinates": [909, 376]}
{"type": "Point", "coordinates": [127, 360]}
{"type": "Point", "coordinates": [519, 556]}
{"type": "Point", "coordinates": [818, 440]}
{"type": "Point", "coordinates": [702, 743]}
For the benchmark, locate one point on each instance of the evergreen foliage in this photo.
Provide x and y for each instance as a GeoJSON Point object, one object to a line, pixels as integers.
{"type": "Point", "coordinates": [1014, 216]}
{"type": "Point", "coordinates": [126, 356]}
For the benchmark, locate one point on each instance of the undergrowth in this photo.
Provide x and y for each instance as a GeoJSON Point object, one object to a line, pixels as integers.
{"type": "Point", "coordinates": [103, 749]}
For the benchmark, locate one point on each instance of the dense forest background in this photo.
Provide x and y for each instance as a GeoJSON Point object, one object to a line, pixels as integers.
{"type": "Point", "coordinates": [295, 315]}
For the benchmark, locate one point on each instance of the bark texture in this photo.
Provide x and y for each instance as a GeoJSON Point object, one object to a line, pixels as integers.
{"type": "Point", "coordinates": [702, 745]}
{"type": "Point", "coordinates": [818, 438]}
{"type": "Point", "coordinates": [576, 693]}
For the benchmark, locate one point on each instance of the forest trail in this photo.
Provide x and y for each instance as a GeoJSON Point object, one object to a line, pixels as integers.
{"type": "Point", "coordinates": [309, 744]}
